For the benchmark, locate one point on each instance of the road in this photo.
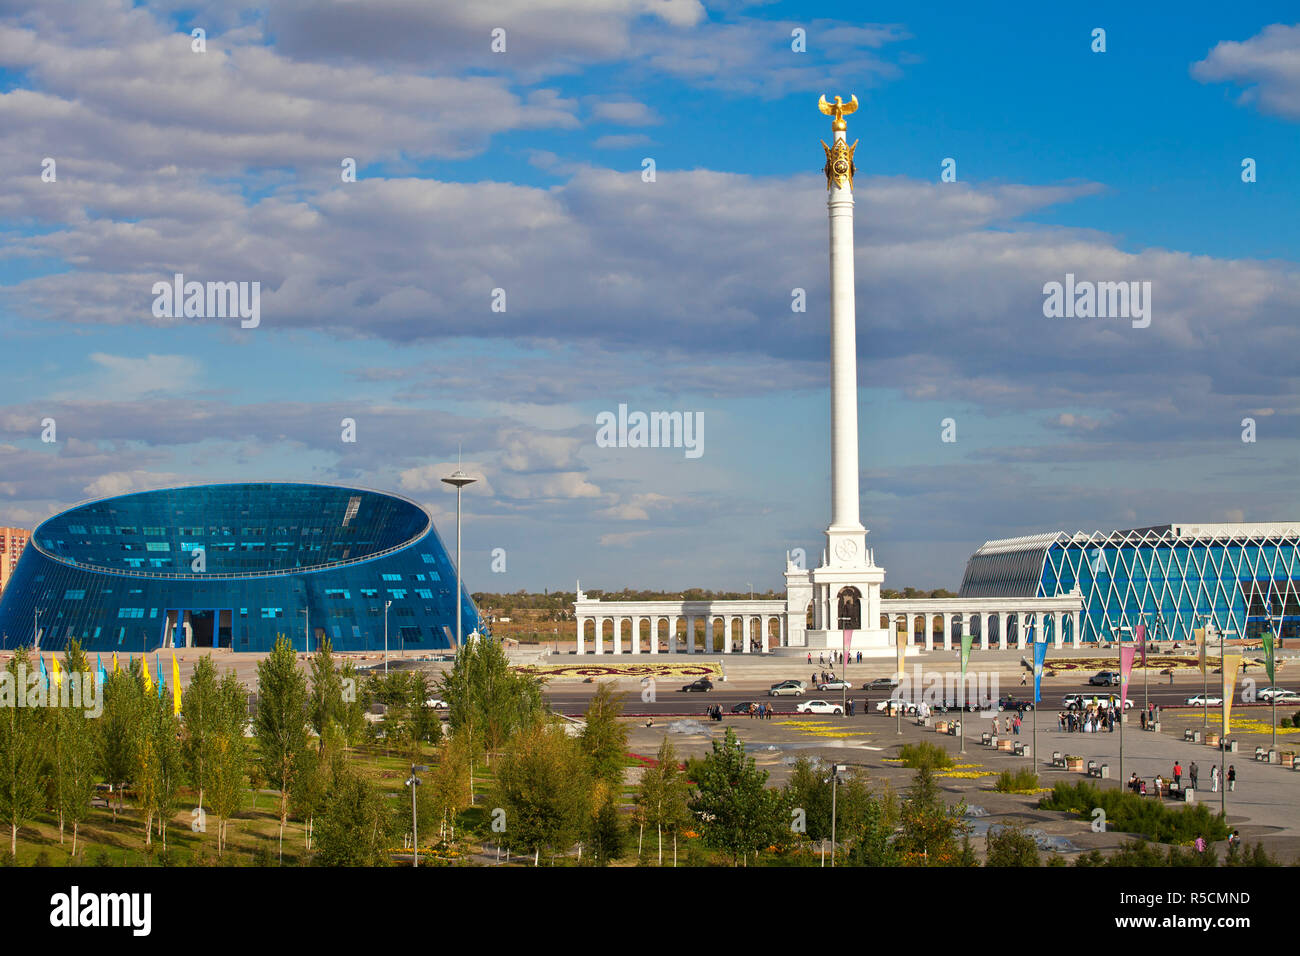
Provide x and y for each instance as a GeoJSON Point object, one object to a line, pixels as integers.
{"type": "Point", "coordinates": [572, 698]}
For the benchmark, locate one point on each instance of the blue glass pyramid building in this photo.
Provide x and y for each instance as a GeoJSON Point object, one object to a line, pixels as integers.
{"type": "Point", "coordinates": [237, 565]}
{"type": "Point", "coordinates": [1243, 576]}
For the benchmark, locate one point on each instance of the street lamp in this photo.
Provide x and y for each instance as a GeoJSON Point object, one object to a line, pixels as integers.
{"type": "Point", "coordinates": [836, 770]}
{"type": "Point", "coordinates": [387, 605]}
{"type": "Point", "coordinates": [306, 641]}
{"type": "Point", "coordinates": [460, 480]}
{"type": "Point", "coordinates": [413, 781]}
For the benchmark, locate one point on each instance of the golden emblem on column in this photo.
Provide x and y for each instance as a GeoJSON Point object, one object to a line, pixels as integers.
{"type": "Point", "coordinates": [839, 168]}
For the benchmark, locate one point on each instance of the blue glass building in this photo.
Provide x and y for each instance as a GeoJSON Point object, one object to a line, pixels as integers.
{"type": "Point", "coordinates": [236, 565]}
{"type": "Point", "coordinates": [1174, 577]}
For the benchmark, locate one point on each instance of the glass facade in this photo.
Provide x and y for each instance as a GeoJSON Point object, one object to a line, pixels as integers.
{"type": "Point", "coordinates": [1170, 577]}
{"type": "Point", "coordinates": [235, 566]}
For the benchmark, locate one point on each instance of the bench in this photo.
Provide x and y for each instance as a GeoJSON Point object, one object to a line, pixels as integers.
{"type": "Point", "coordinates": [1006, 744]}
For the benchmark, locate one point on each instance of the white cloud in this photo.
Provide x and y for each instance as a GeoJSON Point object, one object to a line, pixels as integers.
{"type": "Point", "coordinates": [1267, 64]}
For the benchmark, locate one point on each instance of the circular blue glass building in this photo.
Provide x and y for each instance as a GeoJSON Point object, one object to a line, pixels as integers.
{"type": "Point", "coordinates": [237, 565]}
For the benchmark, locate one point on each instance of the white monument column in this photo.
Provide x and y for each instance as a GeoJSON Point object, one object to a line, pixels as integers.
{"type": "Point", "coordinates": [582, 624]}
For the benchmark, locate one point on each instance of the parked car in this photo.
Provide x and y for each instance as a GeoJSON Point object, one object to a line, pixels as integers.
{"type": "Point", "coordinates": [890, 704]}
{"type": "Point", "coordinates": [1267, 693]}
{"type": "Point", "coordinates": [782, 683]}
{"type": "Point", "coordinates": [1286, 697]}
{"type": "Point", "coordinates": [1204, 700]}
{"type": "Point", "coordinates": [789, 688]}
{"type": "Point", "coordinates": [698, 686]}
{"type": "Point", "coordinates": [1008, 702]}
{"type": "Point", "coordinates": [819, 707]}
{"type": "Point", "coordinates": [838, 683]}
{"type": "Point", "coordinates": [1081, 701]}
{"type": "Point", "coordinates": [881, 683]}
{"type": "Point", "coordinates": [1105, 679]}
{"type": "Point", "coordinates": [743, 707]}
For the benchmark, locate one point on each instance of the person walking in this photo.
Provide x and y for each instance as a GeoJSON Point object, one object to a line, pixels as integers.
{"type": "Point", "coordinates": [1232, 778]}
{"type": "Point", "coordinates": [810, 657]}
{"type": "Point", "coordinates": [1191, 774]}
{"type": "Point", "coordinates": [1214, 779]}
{"type": "Point", "coordinates": [1024, 678]}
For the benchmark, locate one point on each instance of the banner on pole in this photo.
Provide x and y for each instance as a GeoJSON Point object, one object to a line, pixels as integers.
{"type": "Point", "coordinates": [1126, 655]}
{"type": "Point", "coordinates": [966, 641]}
{"type": "Point", "coordinates": [1040, 655]}
{"type": "Point", "coordinates": [1140, 635]}
{"type": "Point", "coordinates": [901, 643]}
{"type": "Point", "coordinates": [1268, 655]}
{"type": "Point", "coordinates": [1201, 638]}
{"type": "Point", "coordinates": [1231, 663]}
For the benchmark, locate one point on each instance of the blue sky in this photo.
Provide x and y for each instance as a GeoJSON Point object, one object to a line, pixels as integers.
{"type": "Point", "coordinates": [521, 170]}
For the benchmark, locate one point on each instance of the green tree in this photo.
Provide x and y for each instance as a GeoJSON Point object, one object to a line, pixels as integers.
{"type": "Point", "coordinates": [736, 811]}
{"type": "Point", "coordinates": [604, 737]}
{"type": "Point", "coordinates": [869, 841]}
{"type": "Point", "coordinates": [448, 786]}
{"type": "Point", "coordinates": [357, 823]}
{"type": "Point", "coordinates": [199, 710]}
{"type": "Point", "coordinates": [281, 723]}
{"type": "Point", "coordinates": [159, 763]}
{"type": "Point", "coordinates": [930, 828]}
{"type": "Point", "coordinates": [1010, 846]}
{"type": "Point", "coordinates": [544, 788]}
{"type": "Point", "coordinates": [69, 743]}
{"type": "Point", "coordinates": [326, 703]}
{"type": "Point", "coordinates": [489, 699]}
{"type": "Point", "coordinates": [229, 760]}
{"type": "Point", "coordinates": [116, 738]}
{"type": "Point", "coordinates": [352, 708]}
{"type": "Point", "coordinates": [21, 757]}
{"type": "Point", "coordinates": [606, 834]}
{"type": "Point", "coordinates": [661, 797]}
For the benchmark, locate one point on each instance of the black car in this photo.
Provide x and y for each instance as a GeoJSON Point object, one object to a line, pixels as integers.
{"type": "Point", "coordinates": [1007, 702]}
{"type": "Point", "coordinates": [700, 685]}
{"type": "Point", "coordinates": [743, 707]}
{"type": "Point", "coordinates": [881, 683]}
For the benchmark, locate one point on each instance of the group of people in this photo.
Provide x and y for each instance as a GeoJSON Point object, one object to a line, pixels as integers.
{"type": "Point", "coordinates": [1013, 724]}
{"type": "Point", "coordinates": [761, 711]}
{"type": "Point", "coordinates": [1093, 719]}
{"type": "Point", "coordinates": [1175, 782]}
{"type": "Point", "coordinates": [837, 657]}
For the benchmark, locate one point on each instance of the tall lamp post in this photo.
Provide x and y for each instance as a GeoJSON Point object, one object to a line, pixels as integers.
{"type": "Point", "coordinates": [306, 640]}
{"type": "Point", "coordinates": [1123, 693]}
{"type": "Point", "coordinates": [460, 480]}
{"type": "Point", "coordinates": [387, 605]}
{"type": "Point", "coordinates": [36, 630]}
{"type": "Point", "coordinates": [413, 781]}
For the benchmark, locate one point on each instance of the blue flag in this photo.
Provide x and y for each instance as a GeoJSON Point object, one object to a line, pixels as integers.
{"type": "Point", "coordinates": [45, 678]}
{"type": "Point", "coordinates": [160, 677]}
{"type": "Point", "coordinates": [1040, 655]}
{"type": "Point", "coordinates": [103, 674]}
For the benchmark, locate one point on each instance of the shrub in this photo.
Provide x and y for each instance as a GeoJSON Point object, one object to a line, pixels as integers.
{"type": "Point", "coordinates": [925, 755]}
{"type": "Point", "coordinates": [1011, 846]}
{"type": "Point", "coordinates": [1022, 780]}
{"type": "Point", "coordinates": [1130, 813]}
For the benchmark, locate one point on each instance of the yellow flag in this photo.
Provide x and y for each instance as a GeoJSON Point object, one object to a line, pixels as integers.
{"type": "Point", "coordinates": [1231, 662]}
{"type": "Point", "coordinates": [58, 674]}
{"type": "Point", "coordinates": [115, 662]}
{"type": "Point", "coordinates": [148, 681]}
{"type": "Point", "coordinates": [176, 686]}
{"type": "Point", "coordinates": [901, 641]}
{"type": "Point", "coordinates": [1199, 634]}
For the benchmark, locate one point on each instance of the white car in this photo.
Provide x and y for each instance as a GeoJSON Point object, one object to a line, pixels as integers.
{"type": "Point", "coordinates": [1267, 693]}
{"type": "Point", "coordinates": [1082, 701]}
{"type": "Point", "coordinates": [436, 703]}
{"type": "Point", "coordinates": [819, 707]}
{"type": "Point", "coordinates": [838, 683]}
{"type": "Point", "coordinates": [890, 704]}
{"type": "Point", "coordinates": [1201, 700]}
{"type": "Point", "coordinates": [1285, 697]}
{"type": "Point", "coordinates": [788, 688]}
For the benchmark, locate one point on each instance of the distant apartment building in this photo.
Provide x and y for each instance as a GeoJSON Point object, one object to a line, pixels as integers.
{"type": "Point", "coordinates": [12, 542]}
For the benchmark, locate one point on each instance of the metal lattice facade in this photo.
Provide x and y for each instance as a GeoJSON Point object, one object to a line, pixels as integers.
{"type": "Point", "coordinates": [1170, 577]}
{"type": "Point", "coordinates": [123, 574]}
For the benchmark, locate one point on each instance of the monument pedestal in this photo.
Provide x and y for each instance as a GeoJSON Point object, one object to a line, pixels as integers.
{"type": "Point", "coordinates": [872, 643]}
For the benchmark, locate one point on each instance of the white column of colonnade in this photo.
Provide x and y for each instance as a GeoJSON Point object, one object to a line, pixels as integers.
{"type": "Point", "coordinates": [1002, 633]}
{"type": "Point", "coordinates": [690, 633]}
{"type": "Point", "coordinates": [726, 634]}
{"type": "Point", "coordinates": [582, 637]}
{"type": "Point", "coordinates": [1077, 636]}
{"type": "Point", "coordinates": [1058, 629]}
{"type": "Point", "coordinates": [672, 634]}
